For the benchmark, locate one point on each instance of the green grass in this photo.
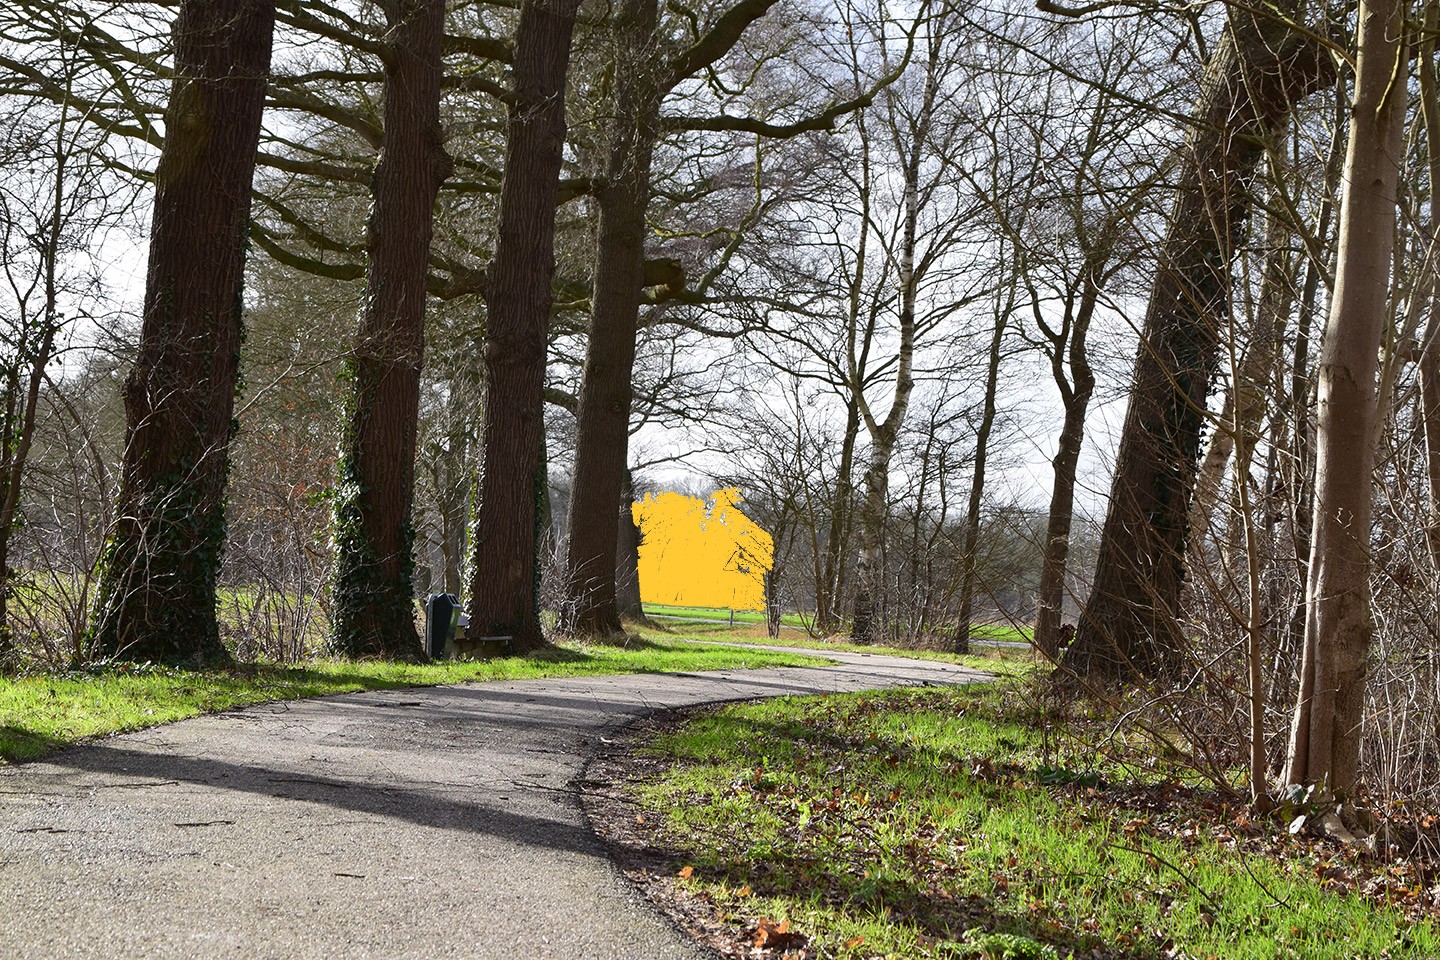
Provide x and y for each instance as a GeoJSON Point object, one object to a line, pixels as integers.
{"type": "Point", "coordinates": [936, 823]}
{"type": "Point", "coordinates": [42, 712]}
{"type": "Point", "coordinates": [1001, 661]}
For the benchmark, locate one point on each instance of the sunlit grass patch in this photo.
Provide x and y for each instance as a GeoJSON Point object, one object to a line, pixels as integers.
{"type": "Point", "coordinates": [44, 711]}
{"type": "Point", "coordinates": [926, 823]}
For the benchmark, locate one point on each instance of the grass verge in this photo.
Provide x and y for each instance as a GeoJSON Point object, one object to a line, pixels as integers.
{"type": "Point", "coordinates": [939, 823]}
{"type": "Point", "coordinates": [44, 712]}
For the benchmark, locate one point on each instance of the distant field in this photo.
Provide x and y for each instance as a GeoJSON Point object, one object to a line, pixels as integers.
{"type": "Point", "coordinates": [1000, 632]}
{"type": "Point", "coordinates": [718, 613]}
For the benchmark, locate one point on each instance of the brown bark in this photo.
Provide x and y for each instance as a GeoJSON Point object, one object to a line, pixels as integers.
{"type": "Point", "coordinates": [1257, 72]}
{"type": "Point", "coordinates": [1076, 391]}
{"type": "Point", "coordinates": [374, 536]}
{"type": "Point", "coordinates": [627, 551]}
{"type": "Point", "coordinates": [830, 578]}
{"type": "Point", "coordinates": [603, 417]}
{"type": "Point", "coordinates": [1246, 402]}
{"type": "Point", "coordinates": [504, 571]}
{"type": "Point", "coordinates": [1429, 365]}
{"type": "Point", "coordinates": [977, 486]}
{"type": "Point", "coordinates": [157, 592]}
{"type": "Point", "coordinates": [1325, 736]}
{"type": "Point", "coordinates": [642, 79]}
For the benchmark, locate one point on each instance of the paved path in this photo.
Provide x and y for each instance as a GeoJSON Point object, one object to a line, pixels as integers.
{"type": "Point", "coordinates": [425, 823]}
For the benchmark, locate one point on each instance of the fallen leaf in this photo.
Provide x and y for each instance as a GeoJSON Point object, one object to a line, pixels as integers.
{"type": "Point", "coordinates": [770, 935]}
{"type": "Point", "coordinates": [686, 872]}
{"type": "Point", "coordinates": [743, 891]}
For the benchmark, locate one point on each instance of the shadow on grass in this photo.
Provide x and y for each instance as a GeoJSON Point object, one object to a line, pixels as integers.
{"type": "Point", "coordinates": [18, 743]}
{"type": "Point", "coordinates": [934, 913]}
{"type": "Point", "coordinates": [795, 761]}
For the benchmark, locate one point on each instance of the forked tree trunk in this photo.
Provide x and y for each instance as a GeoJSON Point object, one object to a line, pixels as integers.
{"type": "Point", "coordinates": [504, 571]}
{"type": "Point", "coordinates": [157, 592]}
{"type": "Point", "coordinates": [603, 417]}
{"type": "Point", "coordinates": [1257, 72]}
{"type": "Point", "coordinates": [1076, 392]}
{"type": "Point", "coordinates": [1325, 735]}
{"type": "Point", "coordinates": [374, 535]}
{"type": "Point", "coordinates": [869, 565]}
{"type": "Point", "coordinates": [969, 567]}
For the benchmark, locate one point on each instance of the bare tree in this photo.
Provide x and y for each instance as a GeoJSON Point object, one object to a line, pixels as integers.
{"type": "Point", "coordinates": [45, 212]}
{"type": "Point", "coordinates": [1259, 69]}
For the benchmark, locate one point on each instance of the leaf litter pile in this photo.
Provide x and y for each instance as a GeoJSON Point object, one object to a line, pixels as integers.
{"type": "Point", "coordinates": [943, 823]}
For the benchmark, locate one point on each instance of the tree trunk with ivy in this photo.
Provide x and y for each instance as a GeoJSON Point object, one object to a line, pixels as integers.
{"type": "Point", "coordinates": [157, 590]}
{"type": "Point", "coordinates": [1257, 72]}
{"type": "Point", "coordinates": [504, 571]}
{"type": "Point", "coordinates": [374, 535]}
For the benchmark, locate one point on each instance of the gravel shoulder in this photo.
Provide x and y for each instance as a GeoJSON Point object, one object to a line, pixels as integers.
{"type": "Point", "coordinates": [433, 822]}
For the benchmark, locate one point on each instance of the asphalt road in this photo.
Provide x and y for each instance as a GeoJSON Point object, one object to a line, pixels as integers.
{"type": "Point", "coordinates": [427, 823]}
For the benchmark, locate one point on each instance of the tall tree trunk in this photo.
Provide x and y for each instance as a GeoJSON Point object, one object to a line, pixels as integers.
{"type": "Point", "coordinates": [1301, 462]}
{"type": "Point", "coordinates": [874, 508]}
{"type": "Point", "coordinates": [1325, 736]}
{"type": "Point", "coordinates": [1257, 72]}
{"type": "Point", "coordinates": [157, 593]}
{"type": "Point", "coordinates": [969, 567]}
{"type": "Point", "coordinates": [1429, 366]}
{"type": "Point", "coordinates": [869, 566]}
{"type": "Point", "coordinates": [603, 417]}
{"type": "Point", "coordinates": [830, 584]}
{"type": "Point", "coordinates": [504, 571]}
{"type": "Point", "coordinates": [627, 550]}
{"type": "Point", "coordinates": [870, 560]}
{"type": "Point", "coordinates": [1245, 403]}
{"type": "Point", "coordinates": [1076, 393]}
{"type": "Point", "coordinates": [374, 535]}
